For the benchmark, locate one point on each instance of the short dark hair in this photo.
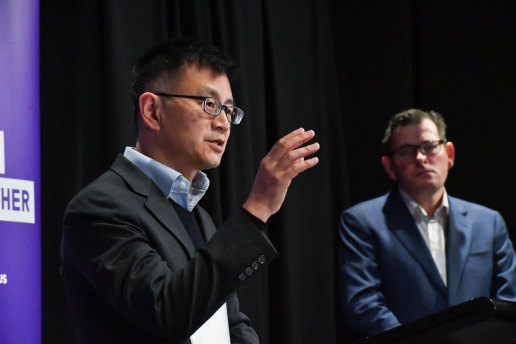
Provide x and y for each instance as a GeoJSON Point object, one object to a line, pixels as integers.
{"type": "Point", "coordinates": [169, 59]}
{"type": "Point", "coordinates": [412, 116]}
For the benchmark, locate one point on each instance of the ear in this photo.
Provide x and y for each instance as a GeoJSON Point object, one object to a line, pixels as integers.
{"type": "Point", "coordinates": [450, 149]}
{"type": "Point", "coordinates": [148, 110]}
{"type": "Point", "coordinates": [387, 166]}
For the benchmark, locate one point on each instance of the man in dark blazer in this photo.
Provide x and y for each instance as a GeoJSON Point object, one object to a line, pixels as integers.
{"type": "Point", "coordinates": [141, 261]}
{"type": "Point", "coordinates": [416, 250]}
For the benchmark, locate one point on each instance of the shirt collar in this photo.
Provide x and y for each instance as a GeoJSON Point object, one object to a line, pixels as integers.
{"type": "Point", "coordinates": [172, 183]}
{"type": "Point", "coordinates": [415, 209]}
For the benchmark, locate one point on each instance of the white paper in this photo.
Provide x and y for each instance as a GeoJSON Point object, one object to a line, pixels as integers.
{"type": "Point", "coordinates": [215, 330]}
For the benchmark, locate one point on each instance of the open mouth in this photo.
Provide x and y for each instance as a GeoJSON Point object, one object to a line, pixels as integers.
{"type": "Point", "coordinates": [217, 142]}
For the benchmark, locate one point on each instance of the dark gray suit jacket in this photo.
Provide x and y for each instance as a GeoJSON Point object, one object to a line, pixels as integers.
{"type": "Point", "coordinates": [131, 273]}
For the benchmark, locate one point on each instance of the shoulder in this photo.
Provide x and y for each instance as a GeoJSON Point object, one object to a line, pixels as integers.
{"type": "Point", "coordinates": [106, 198]}
{"type": "Point", "coordinates": [368, 215]}
{"type": "Point", "coordinates": [476, 215]}
{"type": "Point", "coordinates": [108, 185]}
{"type": "Point", "coordinates": [369, 206]}
{"type": "Point", "coordinates": [122, 183]}
{"type": "Point", "coordinates": [463, 206]}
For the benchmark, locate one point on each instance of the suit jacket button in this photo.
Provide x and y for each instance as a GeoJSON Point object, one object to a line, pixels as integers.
{"type": "Point", "coordinates": [242, 277]}
{"type": "Point", "coordinates": [261, 259]}
{"type": "Point", "coordinates": [249, 271]}
{"type": "Point", "coordinates": [255, 265]}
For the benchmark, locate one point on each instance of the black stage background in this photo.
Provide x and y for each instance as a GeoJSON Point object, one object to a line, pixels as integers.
{"type": "Point", "coordinates": [341, 68]}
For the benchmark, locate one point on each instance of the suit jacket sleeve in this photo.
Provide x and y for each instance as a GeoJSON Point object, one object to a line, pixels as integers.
{"type": "Point", "coordinates": [108, 247]}
{"type": "Point", "coordinates": [360, 283]}
{"type": "Point", "coordinates": [240, 329]}
{"type": "Point", "coordinates": [504, 279]}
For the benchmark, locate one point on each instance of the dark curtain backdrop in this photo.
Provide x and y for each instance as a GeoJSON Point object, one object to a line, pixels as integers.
{"type": "Point", "coordinates": [341, 68]}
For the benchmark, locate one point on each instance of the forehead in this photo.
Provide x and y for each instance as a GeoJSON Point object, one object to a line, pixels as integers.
{"type": "Point", "coordinates": [195, 77]}
{"type": "Point", "coordinates": [415, 133]}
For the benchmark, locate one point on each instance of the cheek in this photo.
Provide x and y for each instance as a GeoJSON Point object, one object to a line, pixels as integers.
{"type": "Point", "coordinates": [194, 120]}
{"type": "Point", "coordinates": [444, 168]}
{"type": "Point", "coordinates": [401, 169]}
{"type": "Point", "coordinates": [192, 129]}
{"type": "Point", "coordinates": [443, 165]}
{"type": "Point", "coordinates": [405, 173]}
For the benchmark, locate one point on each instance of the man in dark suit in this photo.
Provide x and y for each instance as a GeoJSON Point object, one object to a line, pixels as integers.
{"type": "Point", "coordinates": [141, 261]}
{"type": "Point", "coordinates": [416, 250]}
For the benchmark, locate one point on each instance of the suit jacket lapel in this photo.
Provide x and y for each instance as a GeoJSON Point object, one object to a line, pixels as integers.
{"type": "Point", "coordinates": [156, 202]}
{"type": "Point", "coordinates": [402, 224]}
{"type": "Point", "coordinates": [205, 223]}
{"type": "Point", "coordinates": [457, 246]}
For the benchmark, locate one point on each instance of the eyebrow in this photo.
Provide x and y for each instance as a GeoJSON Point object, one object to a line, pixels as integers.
{"type": "Point", "coordinates": [210, 91]}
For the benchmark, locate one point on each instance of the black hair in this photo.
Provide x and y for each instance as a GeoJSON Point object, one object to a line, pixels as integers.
{"type": "Point", "coordinates": [169, 59]}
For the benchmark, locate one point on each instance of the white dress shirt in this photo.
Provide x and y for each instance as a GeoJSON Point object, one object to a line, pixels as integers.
{"type": "Point", "coordinates": [432, 229]}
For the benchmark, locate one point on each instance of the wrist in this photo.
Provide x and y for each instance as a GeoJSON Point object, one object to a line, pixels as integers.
{"type": "Point", "coordinates": [258, 211]}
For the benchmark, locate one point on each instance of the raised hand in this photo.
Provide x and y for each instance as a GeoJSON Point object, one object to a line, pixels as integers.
{"type": "Point", "coordinates": [285, 160]}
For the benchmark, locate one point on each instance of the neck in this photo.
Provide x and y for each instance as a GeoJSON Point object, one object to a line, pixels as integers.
{"type": "Point", "coordinates": [429, 201]}
{"type": "Point", "coordinates": [156, 154]}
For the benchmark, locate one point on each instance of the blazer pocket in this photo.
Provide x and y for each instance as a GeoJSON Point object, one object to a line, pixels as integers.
{"type": "Point", "coordinates": [480, 264]}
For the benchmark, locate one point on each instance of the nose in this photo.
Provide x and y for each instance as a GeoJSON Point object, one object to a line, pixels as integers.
{"type": "Point", "coordinates": [221, 122]}
{"type": "Point", "coordinates": [420, 156]}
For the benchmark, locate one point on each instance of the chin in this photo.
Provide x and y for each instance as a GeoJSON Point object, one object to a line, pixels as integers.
{"type": "Point", "coordinates": [211, 164]}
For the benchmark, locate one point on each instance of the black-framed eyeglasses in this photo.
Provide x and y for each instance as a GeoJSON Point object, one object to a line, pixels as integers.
{"type": "Point", "coordinates": [408, 152]}
{"type": "Point", "coordinates": [212, 106]}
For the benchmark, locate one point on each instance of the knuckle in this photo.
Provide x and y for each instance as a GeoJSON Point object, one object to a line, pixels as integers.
{"type": "Point", "coordinates": [274, 177]}
{"type": "Point", "coordinates": [283, 143]}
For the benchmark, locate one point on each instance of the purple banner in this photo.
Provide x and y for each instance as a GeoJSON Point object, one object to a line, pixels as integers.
{"type": "Point", "coordinates": [20, 206]}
